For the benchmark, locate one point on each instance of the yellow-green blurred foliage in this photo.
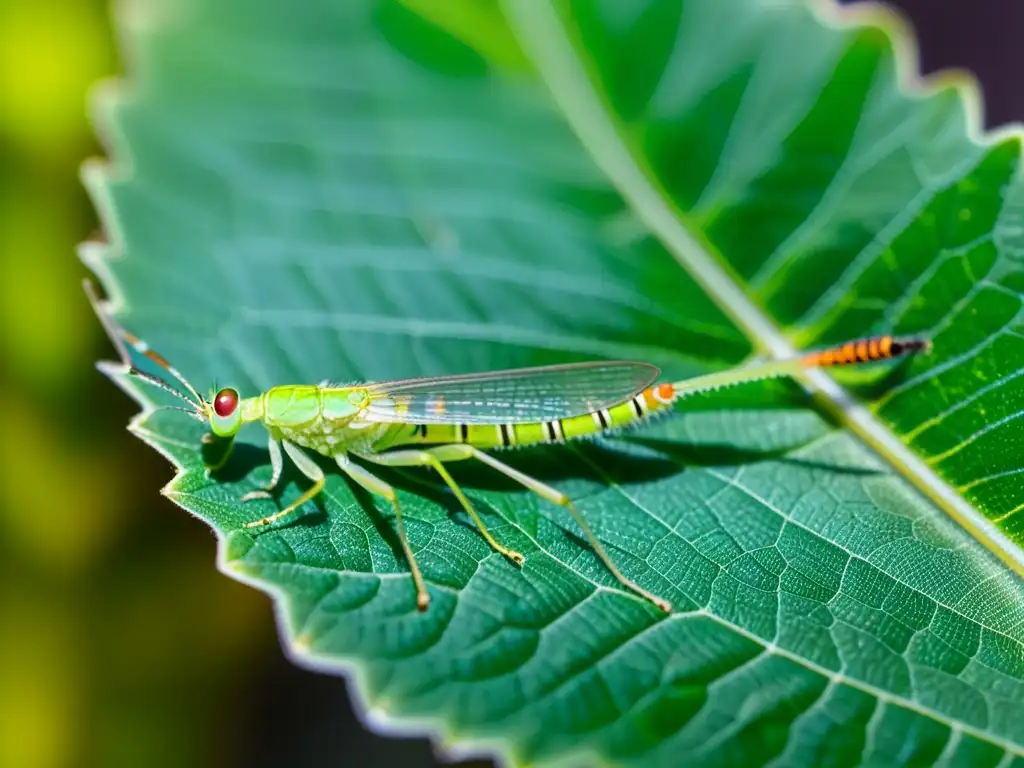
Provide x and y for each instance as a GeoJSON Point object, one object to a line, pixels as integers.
{"type": "Point", "coordinates": [120, 645]}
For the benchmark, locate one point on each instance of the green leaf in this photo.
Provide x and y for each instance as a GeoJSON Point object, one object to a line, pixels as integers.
{"type": "Point", "coordinates": [346, 190]}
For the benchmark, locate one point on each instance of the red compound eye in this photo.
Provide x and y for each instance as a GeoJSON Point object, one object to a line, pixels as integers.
{"type": "Point", "coordinates": [225, 402]}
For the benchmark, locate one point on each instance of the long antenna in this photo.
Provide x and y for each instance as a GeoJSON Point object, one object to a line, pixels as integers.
{"type": "Point", "coordinates": [190, 411]}
{"type": "Point", "coordinates": [108, 324]}
{"type": "Point", "coordinates": [164, 386]}
{"type": "Point", "coordinates": [143, 349]}
{"type": "Point", "coordinates": [119, 336]}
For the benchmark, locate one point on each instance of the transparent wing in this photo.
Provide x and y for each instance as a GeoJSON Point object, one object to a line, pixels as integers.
{"type": "Point", "coordinates": [513, 396]}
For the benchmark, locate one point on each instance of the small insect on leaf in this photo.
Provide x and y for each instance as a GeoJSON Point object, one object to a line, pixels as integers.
{"type": "Point", "coordinates": [429, 422]}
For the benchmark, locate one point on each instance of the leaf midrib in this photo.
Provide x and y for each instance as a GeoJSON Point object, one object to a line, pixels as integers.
{"type": "Point", "coordinates": [541, 34]}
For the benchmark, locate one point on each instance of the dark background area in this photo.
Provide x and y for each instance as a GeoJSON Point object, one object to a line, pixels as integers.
{"type": "Point", "coordinates": [983, 36]}
{"type": "Point", "coordinates": [120, 644]}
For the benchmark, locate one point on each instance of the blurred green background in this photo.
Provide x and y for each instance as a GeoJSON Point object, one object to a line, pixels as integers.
{"type": "Point", "coordinates": [120, 644]}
